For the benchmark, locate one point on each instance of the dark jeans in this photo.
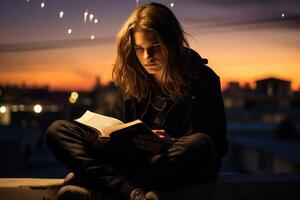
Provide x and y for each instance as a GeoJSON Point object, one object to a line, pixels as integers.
{"type": "Point", "coordinates": [193, 165]}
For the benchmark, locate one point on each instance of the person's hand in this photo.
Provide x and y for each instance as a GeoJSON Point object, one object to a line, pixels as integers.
{"type": "Point", "coordinates": [155, 143]}
{"type": "Point", "coordinates": [188, 144]}
{"type": "Point", "coordinates": [164, 136]}
{"type": "Point", "coordinates": [94, 140]}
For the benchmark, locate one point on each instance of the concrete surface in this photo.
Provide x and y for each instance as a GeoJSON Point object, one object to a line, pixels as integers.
{"type": "Point", "coordinates": [29, 188]}
{"type": "Point", "coordinates": [229, 187]}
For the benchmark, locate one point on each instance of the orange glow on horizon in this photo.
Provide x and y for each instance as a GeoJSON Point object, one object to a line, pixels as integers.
{"type": "Point", "coordinates": [83, 85]}
{"type": "Point", "coordinates": [235, 56]}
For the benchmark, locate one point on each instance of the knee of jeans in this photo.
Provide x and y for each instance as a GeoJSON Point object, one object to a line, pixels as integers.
{"type": "Point", "coordinates": [201, 149]}
{"type": "Point", "coordinates": [54, 130]}
{"type": "Point", "coordinates": [200, 139]}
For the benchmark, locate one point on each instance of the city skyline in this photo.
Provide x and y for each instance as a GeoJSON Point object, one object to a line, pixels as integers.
{"type": "Point", "coordinates": [243, 41]}
{"type": "Point", "coordinates": [97, 83]}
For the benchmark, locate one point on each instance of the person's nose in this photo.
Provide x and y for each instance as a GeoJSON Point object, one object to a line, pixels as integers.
{"type": "Point", "coordinates": [148, 53]}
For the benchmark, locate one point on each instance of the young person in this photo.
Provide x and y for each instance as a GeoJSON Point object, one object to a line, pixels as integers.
{"type": "Point", "coordinates": [168, 86]}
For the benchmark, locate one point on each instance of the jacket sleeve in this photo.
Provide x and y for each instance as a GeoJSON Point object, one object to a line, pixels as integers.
{"type": "Point", "coordinates": [213, 119]}
{"type": "Point", "coordinates": [208, 111]}
{"type": "Point", "coordinates": [203, 148]}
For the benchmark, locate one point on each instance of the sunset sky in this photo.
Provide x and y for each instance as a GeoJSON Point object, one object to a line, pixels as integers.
{"type": "Point", "coordinates": [243, 40]}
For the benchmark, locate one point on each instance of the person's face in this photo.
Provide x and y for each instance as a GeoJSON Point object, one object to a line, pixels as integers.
{"type": "Point", "coordinates": [148, 51]}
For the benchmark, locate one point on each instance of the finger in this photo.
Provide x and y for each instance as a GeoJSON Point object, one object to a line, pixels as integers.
{"type": "Point", "coordinates": [175, 154]}
{"type": "Point", "coordinates": [148, 146]}
{"type": "Point", "coordinates": [177, 149]}
{"type": "Point", "coordinates": [147, 149]}
{"type": "Point", "coordinates": [147, 143]}
{"type": "Point", "coordinates": [151, 143]}
{"type": "Point", "coordinates": [183, 139]}
{"type": "Point", "coordinates": [179, 145]}
{"type": "Point", "coordinates": [148, 137]}
{"type": "Point", "coordinates": [159, 131]}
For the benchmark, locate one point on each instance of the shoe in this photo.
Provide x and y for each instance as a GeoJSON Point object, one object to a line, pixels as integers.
{"type": "Point", "coordinates": [76, 189]}
{"type": "Point", "coordinates": [73, 192]}
{"type": "Point", "coordinates": [71, 179]}
{"type": "Point", "coordinates": [73, 189]}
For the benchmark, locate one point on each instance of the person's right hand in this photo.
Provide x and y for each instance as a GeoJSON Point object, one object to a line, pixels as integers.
{"type": "Point", "coordinates": [155, 143]}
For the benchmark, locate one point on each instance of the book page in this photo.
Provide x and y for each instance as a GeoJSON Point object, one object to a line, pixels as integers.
{"type": "Point", "coordinates": [109, 130]}
{"type": "Point", "coordinates": [98, 121]}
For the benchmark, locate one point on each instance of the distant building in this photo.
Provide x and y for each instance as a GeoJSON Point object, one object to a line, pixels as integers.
{"type": "Point", "coordinates": [296, 99]}
{"type": "Point", "coordinates": [17, 103]}
{"type": "Point", "coordinates": [274, 87]}
{"type": "Point", "coordinates": [270, 101]}
{"type": "Point", "coordinates": [103, 96]}
{"type": "Point", "coordinates": [238, 97]}
{"type": "Point", "coordinates": [269, 93]}
{"type": "Point", "coordinates": [274, 92]}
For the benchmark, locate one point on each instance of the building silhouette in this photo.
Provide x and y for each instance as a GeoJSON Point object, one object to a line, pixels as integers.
{"type": "Point", "coordinates": [268, 93]}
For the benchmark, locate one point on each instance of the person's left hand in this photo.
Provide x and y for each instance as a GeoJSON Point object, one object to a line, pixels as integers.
{"type": "Point", "coordinates": [94, 140]}
{"type": "Point", "coordinates": [155, 143]}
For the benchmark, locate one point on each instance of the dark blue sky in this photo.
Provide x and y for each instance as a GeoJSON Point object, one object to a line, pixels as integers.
{"type": "Point", "coordinates": [23, 20]}
{"type": "Point", "coordinates": [243, 39]}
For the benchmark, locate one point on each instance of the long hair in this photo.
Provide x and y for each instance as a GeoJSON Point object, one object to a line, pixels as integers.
{"type": "Point", "coordinates": [129, 74]}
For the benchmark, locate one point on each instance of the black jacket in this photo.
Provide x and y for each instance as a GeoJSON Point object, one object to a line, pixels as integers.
{"type": "Point", "coordinates": [203, 106]}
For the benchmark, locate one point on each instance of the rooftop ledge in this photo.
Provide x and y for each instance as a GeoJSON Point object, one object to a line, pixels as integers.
{"type": "Point", "coordinates": [232, 187]}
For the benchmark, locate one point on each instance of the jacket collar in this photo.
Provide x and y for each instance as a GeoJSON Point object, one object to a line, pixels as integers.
{"type": "Point", "coordinates": [193, 61]}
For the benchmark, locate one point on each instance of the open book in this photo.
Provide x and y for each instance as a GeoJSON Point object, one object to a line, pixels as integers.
{"type": "Point", "coordinates": [117, 131]}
